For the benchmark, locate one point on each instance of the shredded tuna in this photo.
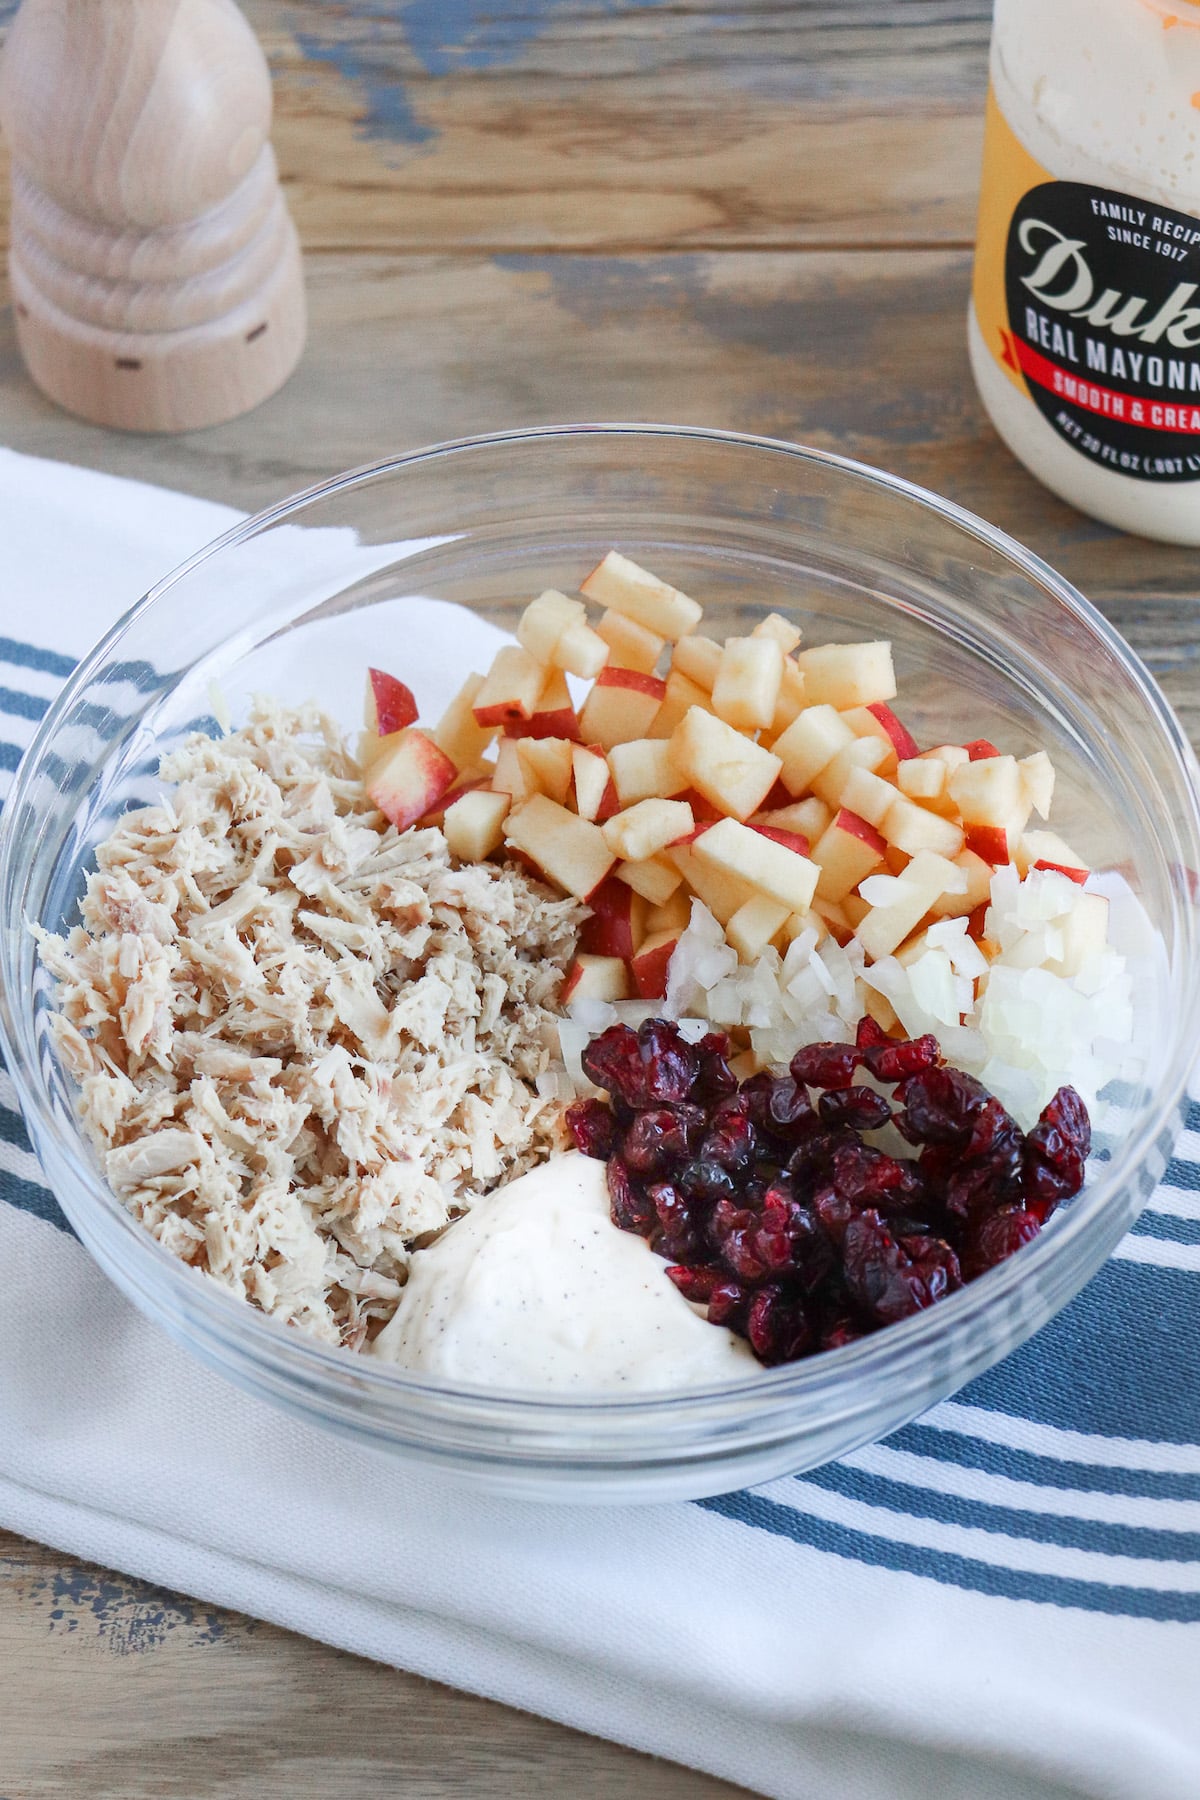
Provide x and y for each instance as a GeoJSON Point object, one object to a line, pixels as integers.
{"type": "Point", "coordinates": [303, 1040]}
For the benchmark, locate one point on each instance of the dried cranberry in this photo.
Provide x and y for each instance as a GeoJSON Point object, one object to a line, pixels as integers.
{"type": "Point", "coordinates": [834, 1211]}
{"type": "Point", "coordinates": [940, 1106]}
{"type": "Point", "coordinates": [705, 1180]}
{"type": "Point", "coordinates": [593, 1128]}
{"type": "Point", "coordinates": [1056, 1151]}
{"type": "Point", "coordinates": [729, 1304]}
{"type": "Point", "coordinates": [659, 1139]}
{"type": "Point", "coordinates": [789, 1110]}
{"type": "Point", "coordinates": [870, 1034]}
{"type": "Point", "coordinates": [991, 1240]}
{"type": "Point", "coordinates": [731, 1142]}
{"type": "Point", "coordinates": [869, 1177]}
{"type": "Point", "coordinates": [809, 1163]}
{"type": "Point", "coordinates": [884, 1277]}
{"type": "Point", "coordinates": [826, 1065]}
{"type": "Point", "coordinates": [629, 1207]}
{"type": "Point", "coordinates": [678, 1234]}
{"type": "Point", "coordinates": [840, 1331]}
{"type": "Point", "coordinates": [613, 1061]}
{"type": "Point", "coordinates": [891, 1061]}
{"type": "Point", "coordinates": [715, 1079]}
{"type": "Point", "coordinates": [859, 1107]}
{"type": "Point", "coordinates": [671, 1064]}
{"type": "Point", "coordinates": [777, 1326]}
{"type": "Point", "coordinates": [696, 1281]}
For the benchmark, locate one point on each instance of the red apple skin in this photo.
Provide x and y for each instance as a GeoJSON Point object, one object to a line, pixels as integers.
{"type": "Point", "coordinates": [561, 724]}
{"type": "Point", "coordinates": [975, 922]}
{"type": "Point", "coordinates": [631, 678]}
{"type": "Point", "coordinates": [504, 713]}
{"type": "Point", "coordinates": [980, 750]}
{"type": "Point", "coordinates": [1078, 876]}
{"type": "Point", "coordinates": [395, 706]}
{"type": "Point", "coordinates": [610, 806]}
{"type": "Point", "coordinates": [791, 840]}
{"type": "Point", "coordinates": [777, 799]}
{"type": "Point", "coordinates": [854, 826]}
{"type": "Point", "coordinates": [990, 842]}
{"type": "Point", "coordinates": [609, 932]}
{"type": "Point", "coordinates": [649, 972]}
{"type": "Point", "coordinates": [689, 837]}
{"type": "Point", "coordinates": [903, 741]}
{"type": "Point", "coordinates": [702, 809]}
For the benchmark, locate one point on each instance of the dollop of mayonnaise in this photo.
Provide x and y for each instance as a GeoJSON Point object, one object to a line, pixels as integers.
{"type": "Point", "coordinates": [536, 1288]}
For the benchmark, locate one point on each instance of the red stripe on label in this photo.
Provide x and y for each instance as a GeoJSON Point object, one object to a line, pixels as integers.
{"type": "Point", "coordinates": [1089, 396]}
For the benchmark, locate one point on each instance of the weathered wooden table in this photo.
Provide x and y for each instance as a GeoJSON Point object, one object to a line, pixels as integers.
{"type": "Point", "coordinates": [756, 215]}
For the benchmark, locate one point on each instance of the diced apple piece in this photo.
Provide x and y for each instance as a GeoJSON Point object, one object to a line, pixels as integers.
{"type": "Point", "coordinates": [755, 925]}
{"type": "Point", "coordinates": [798, 923]}
{"type": "Point", "coordinates": [845, 675]}
{"type": "Point", "coordinates": [846, 854]}
{"type": "Point", "coordinates": [1047, 847]}
{"type": "Point", "coordinates": [570, 852]}
{"type": "Point", "coordinates": [988, 792]}
{"type": "Point", "coordinates": [510, 776]}
{"type": "Point", "coordinates": [807, 818]}
{"type": "Point", "coordinates": [647, 827]}
{"type": "Point", "coordinates": [739, 850]}
{"type": "Point", "coordinates": [833, 916]}
{"type": "Point", "coordinates": [721, 892]}
{"type": "Point", "coordinates": [786, 635]}
{"type": "Point", "coordinates": [618, 922]}
{"type": "Point", "coordinates": [730, 770]}
{"type": "Point", "coordinates": [672, 914]}
{"type": "Point", "coordinates": [409, 778]}
{"type": "Point", "coordinates": [582, 651]}
{"type": "Point", "coordinates": [855, 909]}
{"type": "Point", "coordinates": [864, 753]}
{"type": "Point", "coordinates": [1084, 934]}
{"type": "Point", "coordinates": [511, 688]}
{"type": "Point", "coordinates": [746, 690]}
{"type": "Point", "coordinates": [791, 701]}
{"type": "Point", "coordinates": [899, 902]}
{"type": "Point", "coordinates": [651, 965]}
{"type": "Point", "coordinates": [922, 778]}
{"type": "Point", "coordinates": [547, 766]}
{"type": "Point", "coordinates": [911, 828]}
{"type": "Point", "coordinates": [596, 978]}
{"type": "Point", "coordinates": [389, 705]}
{"type": "Point", "coordinates": [980, 749]}
{"type": "Point", "coordinates": [553, 713]}
{"type": "Point", "coordinates": [621, 706]}
{"type": "Point", "coordinates": [458, 732]}
{"type": "Point", "coordinates": [654, 878]}
{"type": "Point", "coordinates": [868, 795]}
{"type": "Point", "coordinates": [698, 658]}
{"type": "Point", "coordinates": [1037, 781]}
{"type": "Point", "coordinates": [960, 903]}
{"type": "Point", "coordinates": [880, 1008]}
{"type": "Point", "coordinates": [462, 784]}
{"type": "Point", "coordinates": [902, 740]}
{"type": "Point", "coordinates": [810, 744]}
{"type": "Point", "coordinates": [544, 621]}
{"type": "Point", "coordinates": [681, 695]}
{"type": "Point", "coordinates": [630, 645]}
{"type": "Point", "coordinates": [474, 825]}
{"type": "Point", "coordinates": [595, 793]}
{"type": "Point", "coordinates": [644, 769]}
{"type": "Point", "coordinates": [625, 587]}
{"type": "Point", "coordinates": [953, 755]}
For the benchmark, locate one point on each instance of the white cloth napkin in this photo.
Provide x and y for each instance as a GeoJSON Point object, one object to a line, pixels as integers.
{"type": "Point", "coordinates": [1001, 1602]}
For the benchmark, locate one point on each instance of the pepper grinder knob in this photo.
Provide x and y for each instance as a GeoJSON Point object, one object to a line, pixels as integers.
{"type": "Point", "coordinates": [155, 269]}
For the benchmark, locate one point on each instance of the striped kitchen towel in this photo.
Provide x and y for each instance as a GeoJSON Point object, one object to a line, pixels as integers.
{"type": "Point", "coordinates": [1002, 1601]}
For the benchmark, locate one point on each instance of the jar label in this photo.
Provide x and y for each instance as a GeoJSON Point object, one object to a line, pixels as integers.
{"type": "Point", "coordinates": [1089, 299]}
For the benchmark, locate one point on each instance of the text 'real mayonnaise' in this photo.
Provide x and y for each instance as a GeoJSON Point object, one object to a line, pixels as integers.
{"type": "Point", "coordinates": [1085, 311]}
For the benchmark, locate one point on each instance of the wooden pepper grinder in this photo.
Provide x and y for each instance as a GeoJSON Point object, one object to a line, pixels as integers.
{"type": "Point", "coordinates": [155, 270]}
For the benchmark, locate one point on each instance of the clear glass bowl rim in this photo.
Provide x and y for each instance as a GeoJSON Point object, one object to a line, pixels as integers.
{"type": "Point", "coordinates": [820, 1379]}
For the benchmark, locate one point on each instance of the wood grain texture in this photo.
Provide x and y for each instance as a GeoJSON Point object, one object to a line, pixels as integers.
{"type": "Point", "coordinates": [755, 216]}
{"type": "Point", "coordinates": [170, 1700]}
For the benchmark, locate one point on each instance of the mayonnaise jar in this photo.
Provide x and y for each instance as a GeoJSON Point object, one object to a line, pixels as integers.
{"type": "Point", "coordinates": [1085, 313]}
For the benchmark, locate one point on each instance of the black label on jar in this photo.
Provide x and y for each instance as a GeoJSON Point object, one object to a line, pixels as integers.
{"type": "Point", "coordinates": [1103, 297]}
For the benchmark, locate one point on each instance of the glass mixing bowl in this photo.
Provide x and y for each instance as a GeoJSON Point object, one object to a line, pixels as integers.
{"type": "Point", "coordinates": [988, 642]}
